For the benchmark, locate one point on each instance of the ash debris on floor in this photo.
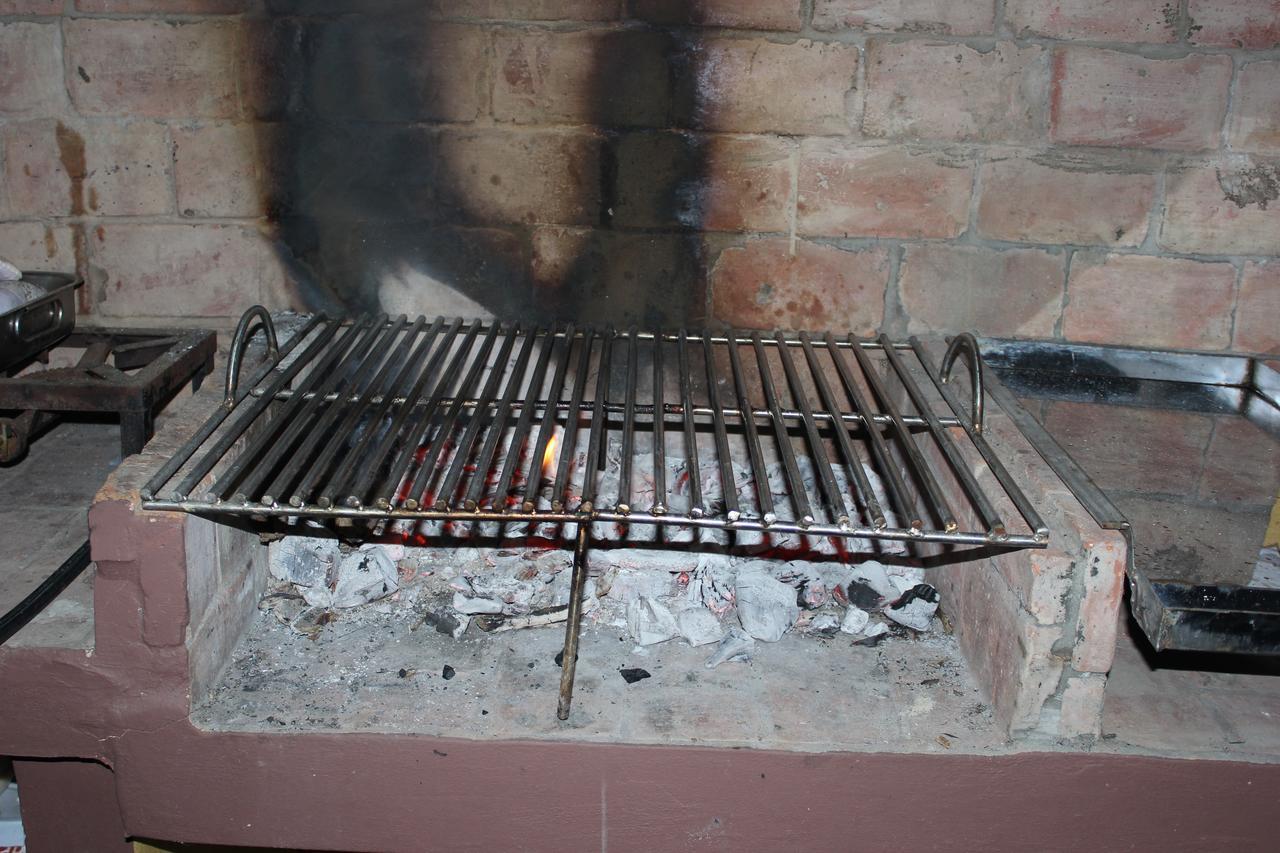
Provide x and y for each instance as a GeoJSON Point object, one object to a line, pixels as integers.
{"type": "Point", "coordinates": [463, 642]}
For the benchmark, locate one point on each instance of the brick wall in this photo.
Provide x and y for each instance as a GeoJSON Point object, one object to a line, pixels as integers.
{"type": "Point", "coordinates": [1096, 171]}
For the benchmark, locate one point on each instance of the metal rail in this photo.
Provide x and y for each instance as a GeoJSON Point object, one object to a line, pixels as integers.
{"type": "Point", "coordinates": [391, 419]}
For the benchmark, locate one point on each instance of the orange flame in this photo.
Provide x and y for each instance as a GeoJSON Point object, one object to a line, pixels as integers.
{"type": "Point", "coordinates": [550, 455]}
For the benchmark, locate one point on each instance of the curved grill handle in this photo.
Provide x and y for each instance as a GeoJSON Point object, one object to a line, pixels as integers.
{"type": "Point", "coordinates": [244, 329]}
{"type": "Point", "coordinates": [967, 345]}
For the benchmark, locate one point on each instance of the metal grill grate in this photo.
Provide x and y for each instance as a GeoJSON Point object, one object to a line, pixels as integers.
{"type": "Point", "coordinates": [749, 433]}
{"type": "Point", "coordinates": [390, 418]}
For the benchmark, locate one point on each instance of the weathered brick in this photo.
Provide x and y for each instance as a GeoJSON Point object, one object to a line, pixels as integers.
{"type": "Point", "coordinates": [1010, 654]}
{"type": "Point", "coordinates": [1258, 309]}
{"type": "Point", "coordinates": [527, 10]}
{"type": "Point", "coordinates": [941, 17]}
{"type": "Point", "coordinates": [31, 7]}
{"type": "Point", "coordinates": [189, 271]}
{"type": "Point", "coordinates": [1254, 24]}
{"type": "Point", "coordinates": [39, 246]}
{"type": "Point", "coordinates": [614, 78]}
{"type": "Point", "coordinates": [1102, 97]}
{"type": "Point", "coordinates": [155, 69]}
{"type": "Point", "coordinates": [30, 68]}
{"type": "Point", "coordinates": [405, 71]}
{"type": "Point", "coordinates": [1037, 200]}
{"type": "Point", "coordinates": [1148, 301]}
{"type": "Point", "coordinates": [497, 176]}
{"type": "Point", "coordinates": [1240, 467]}
{"type": "Point", "coordinates": [919, 90]}
{"type": "Point", "coordinates": [619, 277]}
{"type": "Point", "coordinates": [763, 285]}
{"type": "Point", "coordinates": [218, 170]}
{"type": "Point", "coordinates": [56, 169]}
{"type": "Point", "coordinates": [714, 183]}
{"type": "Point", "coordinates": [1101, 563]}
{"type": "Point", "coordinates": [1085, 429]}
{"type": "Point", "coordinates": [744, 14]}
{"type": "Point", "coordinates": [962, 288]}
{"type": "Point", "coordinates": [756, 86]}
{"type": "Point", "coordinates": [1255, 110]}
{"type": "Point", "coordinates": [168, 7]}
{"type": "Point", "coordinates": [1081, 711]}
{"type": "Point", "coordinates": [847, 191]}
{"type": "Point", "coordinates": [1094, 20]}
{"type": "Point", "coordinates": [1223, 207]}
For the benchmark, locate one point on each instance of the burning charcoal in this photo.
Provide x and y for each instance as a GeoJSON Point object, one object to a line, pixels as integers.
{"type": "Point", "coordinates": [649, 621]}
{"type": "Point", "coordinates": [916, 607]}
{"type": "Point", "coordinates": [699, 626]}
{"type": "Point", "coordinates": [737, 645]}
{"type": "Point", "coordinates": [875, 633]}
{"type": "Point", "coordinates": [631, 676]}
{"type": "Point", "coordinates": [444, 623]}
{"type": "Point", "coordinates": [813, 594]}
{"type": "Point", "coordinates": [855, 620]}
{"type": "Point", "coordinates": [859, 594]}
{"type": "Point", "coordinates": [364, 576]}
{"type": "Point", "coordinates": [473, 606]}
{"type": "Point", "coordinates": [766, 607]}
{"type": "Point", "coordinates": [711, 584]}
{"type": "Point", "coordinates": [823, 625]}
{"type": "Point", "coordinates": [448, 672]}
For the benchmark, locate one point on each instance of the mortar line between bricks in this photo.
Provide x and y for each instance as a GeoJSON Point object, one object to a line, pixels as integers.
{"type": "Point", "coordinates": [838, 241]}
{"type": "Point", "coordinates": [1155, 222]}
{"type": "Point", "coordinates": [1224, 133]}
{"type": "Point", "coordinates": [998, 22]}
{"type": "Point", "coordinates": [970, 233]}
{"type": "Point", "coordinates": [806, 15]}
{"type": "Point", "coordinates": [793, 200]}
{"type": "Point", "coordinates": [896, 321]}
{"type": "Point", "coordinates": [1235, 304]}
{"type": "Point", "coordinates": [1060, 321]}
{"type": "Point", "coordinates": [848, 35]}
{"type": "Point", "coordinates": [1183, 25]}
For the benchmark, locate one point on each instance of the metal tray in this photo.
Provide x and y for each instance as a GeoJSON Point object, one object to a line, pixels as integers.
{"type": "Point", "coordinates": [38, 325]}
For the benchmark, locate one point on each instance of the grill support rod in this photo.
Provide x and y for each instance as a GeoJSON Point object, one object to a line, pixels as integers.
{"type": "Point", "coordinates": [573, 628]}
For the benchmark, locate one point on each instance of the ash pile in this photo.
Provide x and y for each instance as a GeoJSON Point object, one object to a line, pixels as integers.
{"type": "Point", "coordinates": [725, 602]}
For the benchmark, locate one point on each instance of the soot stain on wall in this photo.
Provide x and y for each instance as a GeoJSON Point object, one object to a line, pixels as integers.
{"type": "Point", "coordinates": [373, 210]}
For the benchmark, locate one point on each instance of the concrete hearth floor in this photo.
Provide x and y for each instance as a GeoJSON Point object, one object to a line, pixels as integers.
{"type": "Point", "coordinates": [370, 672]}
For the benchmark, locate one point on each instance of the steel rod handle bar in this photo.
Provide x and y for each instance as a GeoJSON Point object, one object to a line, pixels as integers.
{"type": "Point", "coordinates": [967, 345]}
{"type": "Point", "coordinates": [240, 339]}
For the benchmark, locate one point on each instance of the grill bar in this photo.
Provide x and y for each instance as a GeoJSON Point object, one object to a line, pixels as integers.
{"type": "Point", "coordinates": [340, 482]}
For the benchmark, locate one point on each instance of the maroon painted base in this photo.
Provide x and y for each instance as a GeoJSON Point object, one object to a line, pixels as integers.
{"type": "Point", "coordinates": [70, 806]}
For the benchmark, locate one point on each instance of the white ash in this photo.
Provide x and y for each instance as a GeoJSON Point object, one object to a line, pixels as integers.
{"type": "Point", "coordinates": [657, 595]}
{"type": "Point", "coordinates": [855, 620]}
{"type": "Point", "coordinates": [767, 607]}
{"type": "Point", "coordinates": [737, 645]}
{"type": "Point", "coordinates": [650, 621]}
{"type": "Point", "coordinates": [916, 608]}
{"type": "Point", "coordinates": [699, 626]}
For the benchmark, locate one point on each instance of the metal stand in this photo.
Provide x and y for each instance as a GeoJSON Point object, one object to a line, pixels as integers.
{"type": "Point", "coordinates": [573, 629]}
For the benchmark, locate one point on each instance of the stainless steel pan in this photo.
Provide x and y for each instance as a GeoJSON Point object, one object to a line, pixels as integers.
{"type": "Point", "coordinates": [41, 323]}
